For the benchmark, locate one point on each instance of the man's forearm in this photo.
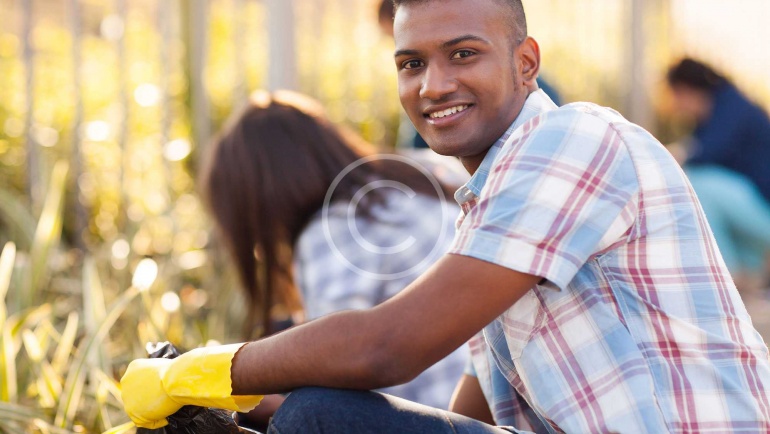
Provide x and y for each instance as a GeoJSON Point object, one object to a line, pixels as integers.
{"type": "Point", "coordinates": [389, 344]}
{"type": "Point", "coordinates": [334, 351]}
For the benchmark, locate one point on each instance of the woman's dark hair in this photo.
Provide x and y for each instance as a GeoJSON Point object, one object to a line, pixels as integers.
{"type": "Point", "coordinates": [267, 174]}
{"type": "Point", "coordinates": [694, 74]}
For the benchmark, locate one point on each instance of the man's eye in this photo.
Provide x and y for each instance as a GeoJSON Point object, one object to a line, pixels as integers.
{"type": "Point", "coordinates": [411, 64]}
{"type": "Point", "coordinates": [461, 54]}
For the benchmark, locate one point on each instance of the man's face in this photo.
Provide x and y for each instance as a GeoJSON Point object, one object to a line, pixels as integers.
{"type": "Point", "coordinates": [459, 74]}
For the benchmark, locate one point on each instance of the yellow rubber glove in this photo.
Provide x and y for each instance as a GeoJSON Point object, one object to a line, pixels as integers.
{"type": "Point", "coordinates": [153, 389]}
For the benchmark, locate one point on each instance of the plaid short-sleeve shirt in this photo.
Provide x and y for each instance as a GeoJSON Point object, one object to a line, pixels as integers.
{"type": "Point", "coordinates": [637, 326]}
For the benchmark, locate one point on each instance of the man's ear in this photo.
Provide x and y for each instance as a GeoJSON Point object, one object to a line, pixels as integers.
{"type": "Point", "coordinates": [529, 61]}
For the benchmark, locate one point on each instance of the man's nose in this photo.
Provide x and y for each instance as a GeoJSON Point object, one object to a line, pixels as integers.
{"type": "Point", "coordinates": [437, 83]}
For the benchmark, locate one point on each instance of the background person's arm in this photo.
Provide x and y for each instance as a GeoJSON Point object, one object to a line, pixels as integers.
{"type": "Point", "coordinates": [389, 344]}
{"type": "Point", "coordinates": [468, 400]}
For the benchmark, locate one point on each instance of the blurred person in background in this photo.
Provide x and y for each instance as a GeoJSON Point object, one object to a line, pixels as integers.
{"type": "Point", "coordinates": [739, 217]}
{"type": "Point", "coordinates": [727, 159]}
{"type": "Point", "coordinates": [266, 179]}
{"type": "Point", "coordinates": [730, 131]}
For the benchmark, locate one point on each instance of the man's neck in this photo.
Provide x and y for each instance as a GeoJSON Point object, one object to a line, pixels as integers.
{"type": "Point", "coordinates": [472, 163]}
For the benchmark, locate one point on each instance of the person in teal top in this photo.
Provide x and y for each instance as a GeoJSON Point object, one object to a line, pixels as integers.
{"type": "Point", "coordinates": [728, 164]}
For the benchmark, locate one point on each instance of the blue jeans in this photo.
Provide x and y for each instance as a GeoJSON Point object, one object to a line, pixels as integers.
{"type": "Point", "coordinates": [318, 410]}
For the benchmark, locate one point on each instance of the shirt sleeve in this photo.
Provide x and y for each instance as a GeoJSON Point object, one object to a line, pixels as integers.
{"type": "Point", "coordinates": [562, 190]}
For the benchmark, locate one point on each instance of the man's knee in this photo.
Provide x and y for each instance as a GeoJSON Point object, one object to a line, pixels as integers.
{"type": "Point", "coordinates": [314, 409]}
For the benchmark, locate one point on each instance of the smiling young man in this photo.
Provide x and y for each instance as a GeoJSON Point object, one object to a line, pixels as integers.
{"type": "Point", "coordinates": [583, 274]}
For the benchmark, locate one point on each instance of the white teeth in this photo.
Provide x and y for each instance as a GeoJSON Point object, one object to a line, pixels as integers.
{"type": "Point", "coordinates": [447, 112]}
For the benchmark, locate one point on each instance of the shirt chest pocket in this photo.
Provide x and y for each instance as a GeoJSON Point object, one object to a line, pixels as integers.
{"type": "Point", "coordinates": [511, 332]}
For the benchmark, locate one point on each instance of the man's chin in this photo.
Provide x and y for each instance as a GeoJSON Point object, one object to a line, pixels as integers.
{"type": "Point", "coordinates": [450, 148]}
{"type": "Point", "coordinates": [441, 149]}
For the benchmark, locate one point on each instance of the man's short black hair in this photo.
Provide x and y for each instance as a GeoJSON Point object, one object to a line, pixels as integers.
{"type": "Point", "coordinates": [695, 74]}
{"type": "Point", "coordinates": [517, 17]}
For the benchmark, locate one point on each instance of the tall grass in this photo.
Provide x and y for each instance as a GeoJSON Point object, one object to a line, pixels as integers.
{"type": "Point", "coordinates": [68, 332]}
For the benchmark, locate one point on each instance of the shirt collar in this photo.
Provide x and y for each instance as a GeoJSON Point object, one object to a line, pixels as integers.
{"type": "Point", "coordinates": [537, 102]}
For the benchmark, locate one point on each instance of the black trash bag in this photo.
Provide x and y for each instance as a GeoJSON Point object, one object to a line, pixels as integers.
{"type": "Point", "coordinates": [191, 419]}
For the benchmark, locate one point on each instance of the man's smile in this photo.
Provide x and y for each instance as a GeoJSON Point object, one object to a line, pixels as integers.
{"type": "Point", "coordinates": [442, 116]}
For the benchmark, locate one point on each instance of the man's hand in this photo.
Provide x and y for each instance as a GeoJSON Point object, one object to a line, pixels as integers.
{"type": "Point", "coordinates": [144, 398]}
{"type": "Point", "coordinates": [154, 389]}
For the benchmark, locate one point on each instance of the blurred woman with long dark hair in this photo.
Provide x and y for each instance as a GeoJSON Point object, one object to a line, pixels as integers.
{"type": "Point", "coordinates": [318, 222]}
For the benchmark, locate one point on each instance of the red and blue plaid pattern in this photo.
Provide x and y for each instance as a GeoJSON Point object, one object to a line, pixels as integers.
{"type": "Point", "coordinates": [639, 327]}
